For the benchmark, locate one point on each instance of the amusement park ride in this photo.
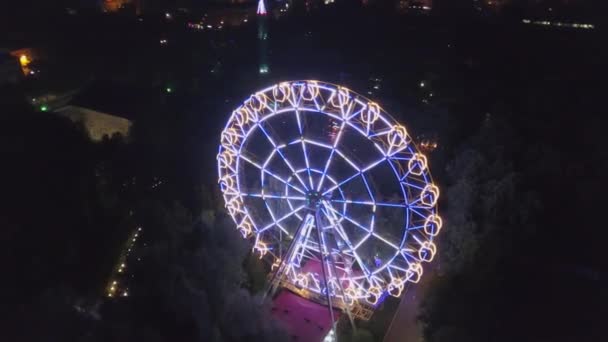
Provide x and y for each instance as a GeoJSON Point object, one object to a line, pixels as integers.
{"type": "Point", "coordinates": [332, 192]}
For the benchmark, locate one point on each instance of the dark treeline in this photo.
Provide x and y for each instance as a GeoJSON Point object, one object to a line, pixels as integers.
{"type": "Point", "coordinates": [70, 206]}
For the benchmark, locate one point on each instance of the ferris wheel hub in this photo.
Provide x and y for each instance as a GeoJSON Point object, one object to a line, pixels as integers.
{"type": "Point", "coordinates": [314, 198]}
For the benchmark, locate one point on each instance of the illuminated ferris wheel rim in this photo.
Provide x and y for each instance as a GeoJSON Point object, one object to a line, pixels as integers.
{"type": "Point", "coordinates": [301, 97]}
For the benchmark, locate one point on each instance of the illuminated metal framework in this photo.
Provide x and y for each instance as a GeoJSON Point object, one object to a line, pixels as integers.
{"type": "Point", "coordinates": [330, 189]}
{"type": "Point", "coordinates": [261, 8]}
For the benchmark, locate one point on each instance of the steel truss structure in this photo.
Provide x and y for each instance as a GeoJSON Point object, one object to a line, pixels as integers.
{"type": "Point", "coordinates": [331, 190]}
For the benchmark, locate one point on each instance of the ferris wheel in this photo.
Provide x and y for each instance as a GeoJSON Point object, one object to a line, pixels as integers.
{"type": "Point", "coordinates": [331, 191]}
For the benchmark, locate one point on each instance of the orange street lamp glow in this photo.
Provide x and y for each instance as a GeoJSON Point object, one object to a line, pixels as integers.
{"type": "Point", "coordinates": [24, 60]}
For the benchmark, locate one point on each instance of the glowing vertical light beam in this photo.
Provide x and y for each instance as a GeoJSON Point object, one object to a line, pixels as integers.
{"type": "Point", "coordinates": [261, 8]}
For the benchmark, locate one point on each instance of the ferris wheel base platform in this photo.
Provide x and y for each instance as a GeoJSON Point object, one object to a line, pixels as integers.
{"type": "Point", "coordinates": [303, 319]}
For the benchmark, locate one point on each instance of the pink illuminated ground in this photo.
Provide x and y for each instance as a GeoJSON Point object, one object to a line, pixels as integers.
{"type": "Point", "coordinates": [304, 320]}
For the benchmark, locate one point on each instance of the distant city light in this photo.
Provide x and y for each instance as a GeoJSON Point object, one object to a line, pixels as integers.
{"type": "Point", "coordinates": [44, 108]}
{"type": "Point", "coordinates": [558, 24]}
{"type": "Point", "coordinates": [422, 84]}
{"type": "Point", "coordinates": [24, 60]}
{"type": "Point", "coordinates": [169, 90]}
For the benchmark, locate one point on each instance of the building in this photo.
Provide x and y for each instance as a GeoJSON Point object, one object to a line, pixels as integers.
{"type": "Point", "coordinates": [105, 109]}
{"type": "Point", "coordinates": [97, 124]}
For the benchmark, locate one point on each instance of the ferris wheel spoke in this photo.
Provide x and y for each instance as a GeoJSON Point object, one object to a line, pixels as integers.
{"type": "Point", "coordinates": [372, 203]}
{"type": "Point", "coordinates": [360, 172]}
{"type": "Point", "coordinates": [331, 154]}
{"type": "Point", "coordinates": [284, 217]}
{"type": "Point", "coordinates": [278, 149]}
{"type": "Point", "coordinates": [335, 223]}
{"type": "Point", "coordinates": [263, 169]}
{"type": "Point", "coordinates": [300, 129]}
{"type": "Point", "coordinates": [379, 237]}
{"type": "Point", "coordinates": [367, 230]}
{"type": "Point", "coordinates": [307, 164]}
{"type": "Point", "coordinates": [264, 196]}
{"type": "Point", "coordinates": [417, 213]}
{"type": "Point", "coordinates": [330, 213]}
{"type": "Point", "coordinates": [275, 220]}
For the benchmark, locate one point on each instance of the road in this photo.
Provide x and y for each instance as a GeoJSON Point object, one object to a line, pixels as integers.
{"type": "Point", "coordinates": [404, 327]}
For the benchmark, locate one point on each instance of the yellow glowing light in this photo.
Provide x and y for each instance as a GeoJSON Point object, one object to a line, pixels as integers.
{"type": "Point", "coordinates": [245, 229]}
{"type": "Point", "coordinates": [228, 182]}
{"type": "Point", "coordinates": [281, 92]}
{"type": "Point", "coordinates": [275, 264]}
{"type": "Point", "coordinates": [429, 195]}
{"type": "Point", "coordinates": [370, 115]}
{"type": "Point", "coordinates": [242, 116]}
{"type": "Point", "coordinates": [433, 225]}
{"type": "Point", "coordinates": [417, 164]}
{"type": "Point", "coordinates": [302, 280]}
{"type": "Point", "coordinates": [395, 288]}
{"type": "Point", "coordinates": [256, 102]}
{"type": "Point", "coordinates": [310, 91]}
{"type": "Point", "coordinates": [24, 60]}
{"type": "Point", "coordinates": [373, 295]}
{"type": "Point", "coordinates": [414, 273]}
{"type": "Point", "coordinates": [262, 248]}
{"type": "Point", "coordinates": [427, 251]}
{"type": "Point", "coordinates": [349, 295]}
{"type": "Point", "coordinates": [229, 138]}
{"type": "Point", "coordinates": [397, 137]}
{"type": "Point", "coordinates": [226, 158]}
{"type": "Point", "coordinates": [233, 206]}
{"type": "Point", "coordinates": [341, 98]}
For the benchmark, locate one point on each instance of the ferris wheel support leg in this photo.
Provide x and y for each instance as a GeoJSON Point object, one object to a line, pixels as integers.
{"type": "Point", "coordinates": [324, 259]}
{"type": "Point", "coordinates": [331, 262]}
{"type": "Point", "coordinates": [278, 275]}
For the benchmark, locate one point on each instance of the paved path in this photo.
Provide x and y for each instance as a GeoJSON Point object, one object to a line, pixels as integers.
{"type": "Point", "coordinates": [404, 327]}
